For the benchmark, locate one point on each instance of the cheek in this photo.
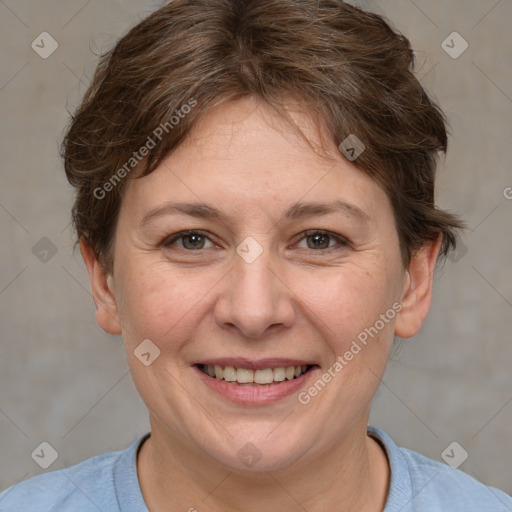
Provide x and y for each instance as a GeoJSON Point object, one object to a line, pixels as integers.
{"type": "Point", "coordinates": [160, 302]}
{"type": "Point", "coordinates": [164, 303]}
{"type": "Point", "coordinates": [349, 301]}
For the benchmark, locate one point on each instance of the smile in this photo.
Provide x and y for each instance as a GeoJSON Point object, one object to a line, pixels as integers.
{"type": "Point", "coordinates": [250, 377]}
{"type": "Point", "coordinates": [248, 382]}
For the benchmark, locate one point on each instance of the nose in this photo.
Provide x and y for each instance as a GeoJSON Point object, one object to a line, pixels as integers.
{"type": "Point", "coordinates": [255, 298]}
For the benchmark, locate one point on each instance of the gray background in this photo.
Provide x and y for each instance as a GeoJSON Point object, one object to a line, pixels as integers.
{"type": "Point", "coordinates": [66, 382]}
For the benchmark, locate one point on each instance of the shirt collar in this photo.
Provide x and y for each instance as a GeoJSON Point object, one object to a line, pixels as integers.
{"type": "Point", "coordinates": [130, 499]}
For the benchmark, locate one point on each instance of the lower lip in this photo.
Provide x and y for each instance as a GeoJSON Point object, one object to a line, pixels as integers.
{"type": "Point", "coordinates": [255, 395]}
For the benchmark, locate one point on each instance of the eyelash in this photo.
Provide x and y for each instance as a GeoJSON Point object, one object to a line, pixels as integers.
{"type": "Point", "coordinates": [343, 242]}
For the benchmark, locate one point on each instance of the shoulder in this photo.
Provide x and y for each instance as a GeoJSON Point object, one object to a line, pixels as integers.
{"type": "Point", "coordinates": [87, 486]}
{"type": "Point", "coordinates": [422, 484]}
{"type": "Point", "coordinates": [440, 485]}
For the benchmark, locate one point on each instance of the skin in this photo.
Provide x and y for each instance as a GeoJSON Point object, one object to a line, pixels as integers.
{"type": "Point", "coordinates": [294, 300]}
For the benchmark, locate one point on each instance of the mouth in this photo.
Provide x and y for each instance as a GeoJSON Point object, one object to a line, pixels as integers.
{"type": "Point", "coordinates": [248, 377]}
{"type": "Point", "coordinates": [251, 383]}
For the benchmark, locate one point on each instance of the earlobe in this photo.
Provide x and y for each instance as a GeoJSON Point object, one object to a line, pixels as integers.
{"type": "Point", "coordinates": [102, 291]}
{"type": "Point", "coordinates": [417, 293]}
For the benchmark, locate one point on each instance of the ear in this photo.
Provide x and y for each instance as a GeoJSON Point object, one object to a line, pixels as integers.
{"type": "Point", "coordinates": [102, 291]}
{"type": "Point", "coordinates": [417, 290]}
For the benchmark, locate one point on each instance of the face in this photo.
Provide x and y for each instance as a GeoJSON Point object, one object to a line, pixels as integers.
{"type": "Point", "coordinates": [270, 280]}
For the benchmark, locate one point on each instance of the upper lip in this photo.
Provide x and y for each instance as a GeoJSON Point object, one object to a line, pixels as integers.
{"type": "Point", "coordinates": [260, 364]}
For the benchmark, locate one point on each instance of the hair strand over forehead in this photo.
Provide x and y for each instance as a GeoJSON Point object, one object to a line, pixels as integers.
{"type": "Point", "coordinates": [346, 65]}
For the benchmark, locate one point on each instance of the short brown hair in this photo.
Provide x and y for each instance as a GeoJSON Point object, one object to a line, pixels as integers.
{"type": "Point", "coordinates": [347, 65]}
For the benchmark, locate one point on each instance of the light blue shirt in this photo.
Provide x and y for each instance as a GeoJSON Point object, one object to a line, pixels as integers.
{"type": "Point", "coordinates": [108, 483]}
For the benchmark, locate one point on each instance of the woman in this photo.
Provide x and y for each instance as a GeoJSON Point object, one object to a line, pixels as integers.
{"type": "Point", "coordinates": [255, 207]}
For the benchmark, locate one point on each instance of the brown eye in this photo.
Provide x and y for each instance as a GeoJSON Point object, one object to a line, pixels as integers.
{"type": "Point", "coordinates": [318, 241]}
{"type": "Point", "coordinates": [193, 241]}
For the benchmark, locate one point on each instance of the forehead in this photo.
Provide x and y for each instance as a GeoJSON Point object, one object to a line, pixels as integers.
{"type": "Point", "coordinates": [242, 154]}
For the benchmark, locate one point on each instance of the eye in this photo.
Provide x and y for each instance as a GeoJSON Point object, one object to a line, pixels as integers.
{"type": "Point", "coordinates": [192, 240]}
{"type": "Point", "coordinates": [320, 240]}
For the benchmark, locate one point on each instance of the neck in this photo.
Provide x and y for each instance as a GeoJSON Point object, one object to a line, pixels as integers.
{"type": "Point", "coordinates": [352, 475]}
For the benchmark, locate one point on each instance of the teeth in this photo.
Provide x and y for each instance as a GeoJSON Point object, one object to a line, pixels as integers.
{"type": "Point", "coordinates": [229, 374]}
{"type": "Point", "coordinates": [279, 374]}
{"type": "Point", "coordinates": [290, 373]}
{"type": "Point", "coordinates": [246, 376]}
{"type": "Point", "coordinates": [264, 376]}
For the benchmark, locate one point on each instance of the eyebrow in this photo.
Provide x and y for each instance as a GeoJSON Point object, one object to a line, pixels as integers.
{"type": "Point", "coordinates": [296, 211]}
